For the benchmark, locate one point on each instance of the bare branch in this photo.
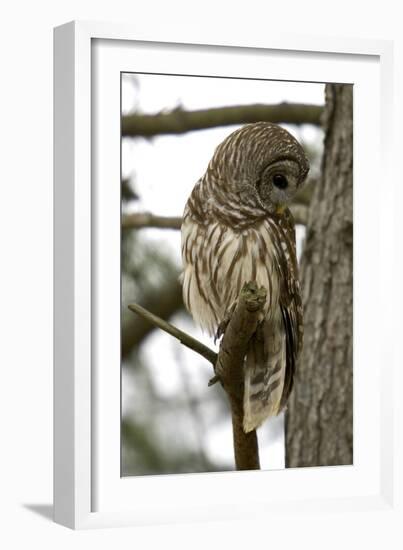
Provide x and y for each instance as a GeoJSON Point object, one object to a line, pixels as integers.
{"type": "Point", "coordinates": [230, 369]}
{"type": "Point", "coordinates": [183, 337]}
{"type": "Point", "coordinates": [146, 219]}
{"type": "Point", "coordinates": [229, 363]}
{"type": "Point", "coordinates": [179, 121]}
{"type": "Point", "coordinates": [164, 303]}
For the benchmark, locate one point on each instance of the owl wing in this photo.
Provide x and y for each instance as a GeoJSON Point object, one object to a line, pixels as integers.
{"type": "Point", "coordinates": [290, 301]}
{"type": "Point", "coordinates": [271, 358]}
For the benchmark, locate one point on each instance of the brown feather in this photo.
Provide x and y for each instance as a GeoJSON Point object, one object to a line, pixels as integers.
{"type": "Point", "coordinates": [229, 237]}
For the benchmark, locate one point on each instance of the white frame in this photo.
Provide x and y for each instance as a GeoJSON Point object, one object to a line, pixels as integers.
{"type": "Point", "coordinates": [75, 468]}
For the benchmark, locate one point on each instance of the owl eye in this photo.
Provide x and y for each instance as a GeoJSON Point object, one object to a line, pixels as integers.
{"type": "Point", "coordinates": [280, 181]}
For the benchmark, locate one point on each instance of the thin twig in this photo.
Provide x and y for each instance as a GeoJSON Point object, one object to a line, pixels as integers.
{"type": "Point", "coordinates": [229, 363]}
{"type": "Point", "coordinates": [163, 302]}
{"type": "Point", "coordinates": [146, 219]}
{"type": "Point", "coordinates": [183, 337]}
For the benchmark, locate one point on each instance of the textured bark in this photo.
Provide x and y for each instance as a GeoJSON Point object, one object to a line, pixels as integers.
{"type": "Point", "coordinates": [319, 419]}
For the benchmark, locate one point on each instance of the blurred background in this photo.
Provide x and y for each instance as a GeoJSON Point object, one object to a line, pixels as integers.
{"type": "Point", "coordinates": [172, 421]}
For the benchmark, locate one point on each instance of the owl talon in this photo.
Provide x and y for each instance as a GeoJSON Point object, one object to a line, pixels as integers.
{"type": "Point", "coordinates": [214, 380]}
{"type": "Point", "coordinates": [222, 327]}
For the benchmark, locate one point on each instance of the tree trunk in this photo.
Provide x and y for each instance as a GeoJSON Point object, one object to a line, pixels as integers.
{"type": "Point", "coordinates": [319, 419]}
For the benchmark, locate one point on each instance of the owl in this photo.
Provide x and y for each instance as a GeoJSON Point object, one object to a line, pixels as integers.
{"type": "Point", "coordinates": [237, 228]}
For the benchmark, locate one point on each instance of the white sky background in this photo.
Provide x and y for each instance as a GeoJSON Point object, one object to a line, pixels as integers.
{"type": "Point", "coordinates": [165, 170]}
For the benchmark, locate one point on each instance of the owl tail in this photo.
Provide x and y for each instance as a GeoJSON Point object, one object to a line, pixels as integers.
{"type": "Point", "coordinates": [265, 370]}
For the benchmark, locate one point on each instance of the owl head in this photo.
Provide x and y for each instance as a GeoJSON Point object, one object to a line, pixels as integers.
{"type": "Point", "coordinates": [262, 164]}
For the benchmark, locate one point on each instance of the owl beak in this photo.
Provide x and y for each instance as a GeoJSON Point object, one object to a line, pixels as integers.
{"type": "Point", "coordinates": [280, 208]}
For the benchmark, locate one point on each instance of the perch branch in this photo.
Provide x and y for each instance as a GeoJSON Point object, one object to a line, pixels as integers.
{"type": "Point", "coordinates": [180, 121]}
{"type": "Point", "coordinates": [229, 363]}
{"type": "Point", "coordinates": [230, 370]}
{"type": "Point", "coordinates": [183, 337]}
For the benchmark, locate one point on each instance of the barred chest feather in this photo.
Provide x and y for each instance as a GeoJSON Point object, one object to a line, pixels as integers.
{"type": "Point", "coordinates": [218, 260]}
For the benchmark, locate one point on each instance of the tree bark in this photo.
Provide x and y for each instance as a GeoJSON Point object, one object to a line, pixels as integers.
{"type": "Point", "coordinates": [319, 419]}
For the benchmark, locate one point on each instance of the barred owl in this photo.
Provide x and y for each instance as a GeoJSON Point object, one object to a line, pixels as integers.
{"type": "Point", "coordinates": [237, 228]}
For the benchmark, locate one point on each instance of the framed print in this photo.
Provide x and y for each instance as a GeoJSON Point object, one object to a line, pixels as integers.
{"type": "Point", "coordinates": [224, 186]}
